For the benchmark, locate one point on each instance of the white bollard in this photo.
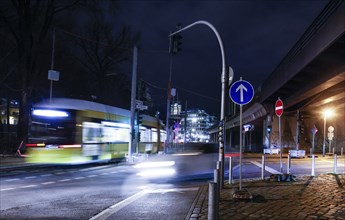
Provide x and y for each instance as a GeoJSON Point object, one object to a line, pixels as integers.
{"type": "Point", "coordinates": [263, 167]}
{"type": "Point", "coordinates": [335, 164]}
{"type": "Point", "coordinates": [313, 165]}
{"type": "Point", "coordinates": [288, 164]}
{"type": "Point", "coordinates": [219, 167]}
{"type": "Point", "coordinates": [230, 170]}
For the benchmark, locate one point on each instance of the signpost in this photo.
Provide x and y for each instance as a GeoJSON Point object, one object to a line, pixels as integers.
{"type": "Point", "coordinates": [279, 107]}
{"type": "Point", "coordinates": [313, 130]}
{"type": "Point", "coordinates": [330, 137]}
{"type": "Point", "coordinates": [241, 92]}
{"type": "Point", "coordinates": [279, 112]}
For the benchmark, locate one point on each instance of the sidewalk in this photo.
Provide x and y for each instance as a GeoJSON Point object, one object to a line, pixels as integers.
{"type": "Point", "coordinates": [319, 197]}
{"type": "Point", "coordinates": [7, 160]}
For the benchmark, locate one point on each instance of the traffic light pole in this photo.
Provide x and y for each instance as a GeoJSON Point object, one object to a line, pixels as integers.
{"type": "Point", "coordinates": [131, 144]}
{"type": "Point", "coordinates": [223, 81]}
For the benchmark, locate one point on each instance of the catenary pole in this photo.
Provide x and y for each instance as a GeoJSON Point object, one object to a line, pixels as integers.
{"type": "Point", "coordinates": [133, 97]}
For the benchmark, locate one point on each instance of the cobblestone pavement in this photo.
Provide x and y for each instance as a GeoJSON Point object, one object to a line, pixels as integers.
{"type": "Point", "coordinates": [319, 197]}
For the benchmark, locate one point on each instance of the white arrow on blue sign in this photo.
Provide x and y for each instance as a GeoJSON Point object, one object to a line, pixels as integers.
{"type": "Point", "coordinates": [241, 92]}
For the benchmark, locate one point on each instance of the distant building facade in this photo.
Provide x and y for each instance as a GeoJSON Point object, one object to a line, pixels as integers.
{"type": "Point", "coordinates": [192, 126]}
{"type": "Point", "coordinates": [9, 111]}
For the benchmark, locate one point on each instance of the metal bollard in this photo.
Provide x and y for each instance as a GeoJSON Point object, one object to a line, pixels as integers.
{"type": "Point", "coordinates": [342, 151]}
{"type": "Point", "coordinates": [313, 165]}
{"type": "Point", "coordinates": [212, 201]}
{"type": "Point", "coordinates": [216, 179]}
{"type": "Point", "coordinates": [335, 164]}
{"type": "Point", "coordinates": [263, 167]}
{"type": "Point", "coordinates": [219, 167]}
{"type": "Point", "coordinates": [288, 165]}
{"type": "Point", "coordinates": [230, 170]}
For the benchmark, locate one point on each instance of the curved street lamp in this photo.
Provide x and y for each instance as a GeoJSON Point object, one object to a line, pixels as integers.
{"type": "Point", "coordinates": [223, 80]}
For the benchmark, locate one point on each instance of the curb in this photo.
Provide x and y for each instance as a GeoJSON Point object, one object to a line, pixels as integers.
{"type": "Point", "coordinates": [197, 204]}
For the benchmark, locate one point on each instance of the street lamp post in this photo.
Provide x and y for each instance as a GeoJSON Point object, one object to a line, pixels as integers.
{"type": "Point", "coordinates": [223, 81]}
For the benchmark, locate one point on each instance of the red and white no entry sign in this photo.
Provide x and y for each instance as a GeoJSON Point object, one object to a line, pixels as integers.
{"type": "Point", "coordinates": [279, 107]}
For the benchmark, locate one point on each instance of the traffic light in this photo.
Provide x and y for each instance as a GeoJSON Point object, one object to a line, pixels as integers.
{"type": "Point", "coordinates": [269, 129]}
{"type": "Point", "coordinates": [301, 123]}
{"type": "Point", "coordinates": [133, 134]}
{"type": "Point", "coordinates": [220, 132]}
{"type": "Point", "coordinates": [139, 136]}
{"type": "Point", "coordinates": [301, 129]}
{"type": "Point", "coordinates": [175, 44]}
{"type": "Point", "coordinates": [140, 119]}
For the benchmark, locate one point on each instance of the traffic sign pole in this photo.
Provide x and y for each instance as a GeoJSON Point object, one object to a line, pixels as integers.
{"type": "Point", "coordinates": [280, 142]}
{"type": "Point", "coordinates": [279, 112]}
{"type": "Point", "coordinates": [241, 92]}
{"type": "Point", "coordinates": [240, 185]}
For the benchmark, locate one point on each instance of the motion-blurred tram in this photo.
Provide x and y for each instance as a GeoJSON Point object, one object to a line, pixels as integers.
{"type": "Point", "coordinates": [78, 131]}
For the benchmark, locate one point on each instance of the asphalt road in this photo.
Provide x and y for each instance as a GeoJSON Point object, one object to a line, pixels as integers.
{"type": "Point", "coordinates": [113, 191]}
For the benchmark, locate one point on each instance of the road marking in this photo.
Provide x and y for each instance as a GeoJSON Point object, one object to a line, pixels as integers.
{"type": "Point", "coordinates": [27, 186]}
{"type": "Point", "coordinates": [10, 180]}
{"type": "Point", "coordinates": [30, 177]}
{"type": "Point", "coordinates": [267, 168]}
{"type": "Point", "coordinates": [47, 183]}
{"type": "Point", "coordinates": [59, 173]}
{"type": "Point", "coordinates": [173, 190]}
{"type": "Point", "coordinates": [92, 176]}
{"type": "Point", "coordinates": [332, 162]}
{"type": "Point", "coordinates": [64, 180]}
{"type": "Point", "coordinates": [6, 189]}
{"type": "Point", "coordinates": [79, 178]}
{"type": "Point", "coordinates": [46, 175]}
{"type": "Point", "coordinates": [105, 214]}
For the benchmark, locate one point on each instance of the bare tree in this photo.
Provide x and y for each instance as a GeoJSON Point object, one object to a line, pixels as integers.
{"type": "Point", "coordinates": [100, 55]}
{"type": "Point", "coordinates": [26, 26]}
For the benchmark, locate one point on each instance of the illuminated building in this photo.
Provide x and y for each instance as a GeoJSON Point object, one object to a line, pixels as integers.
{"type": "Point", "coordinates": [9, 111]}
{"type": "Point", "coordinates": [193, 126]}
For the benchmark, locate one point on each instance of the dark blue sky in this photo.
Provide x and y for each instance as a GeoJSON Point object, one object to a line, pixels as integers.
{"type": "Point", "coordinates": [256, 34]}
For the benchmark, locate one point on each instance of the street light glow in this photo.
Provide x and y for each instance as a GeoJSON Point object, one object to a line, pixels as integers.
{"type": "Point", "coordinates": [328, 113]}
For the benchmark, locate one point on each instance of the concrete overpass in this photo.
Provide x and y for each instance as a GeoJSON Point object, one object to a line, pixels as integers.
{"type": "Point", "coordinates": [309, 79]}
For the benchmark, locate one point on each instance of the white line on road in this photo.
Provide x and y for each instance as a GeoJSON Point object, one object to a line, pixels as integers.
{"type": "Point", "coordinates": [105, 214]}
{"type": "Point", "coordinates": [339, 164]}
{"type": "Point", "coordinates": [28, 186]}
{"type": "Point", "coordinates": [267, 168]}
{"type": "Point", "coordinates": [92, 176]}
{"type": "Point", "coordinates": [174, 190]}
{"type": "Point", "coordinates": [47, 183]}
{"type": "Point", "coordinates": [64, 180]}
{"type": "Point", "coordinates": [10, 180]}
{"type": "Point", "coordinates": [30, 177]}
{"type": "Point", "coordinates": [79, 178]}
{"type": "Point", "coordinates": [45, 175]}
{"type": "Point", "coordinates": [115, 208]}
{"type": "Point", "coordinates": [6, 189]}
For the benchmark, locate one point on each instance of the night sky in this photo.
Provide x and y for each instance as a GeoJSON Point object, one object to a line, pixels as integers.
{"type": "Point", "coordinates": [256, 34]}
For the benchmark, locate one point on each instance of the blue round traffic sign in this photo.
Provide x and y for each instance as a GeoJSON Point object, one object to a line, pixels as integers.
{"type": "Point", "coordinates": [241, 92]}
